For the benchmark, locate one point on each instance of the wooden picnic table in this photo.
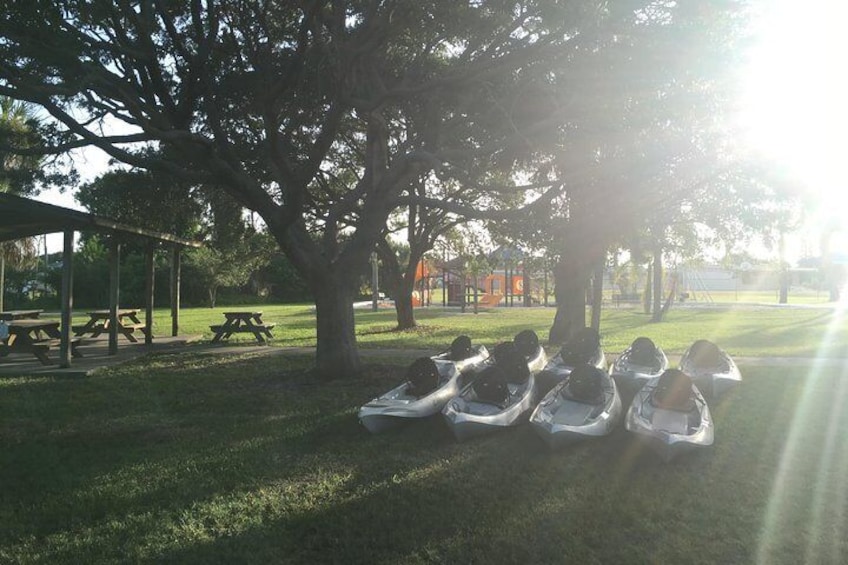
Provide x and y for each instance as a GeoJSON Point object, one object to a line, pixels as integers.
{"type": "Point", "coordinates": [10, 315]}
{"type": "Point", "coordinates": [242, 322]}
{"type": "Point", "coordinates": [36, 336]}
{"type": "Point", "coordinates": [98, 323]}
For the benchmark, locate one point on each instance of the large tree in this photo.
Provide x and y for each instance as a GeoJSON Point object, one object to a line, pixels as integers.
{"type": "Point", "coordinates": [258, 97]}
{"type": "Point", "coordinates": [648, 142]}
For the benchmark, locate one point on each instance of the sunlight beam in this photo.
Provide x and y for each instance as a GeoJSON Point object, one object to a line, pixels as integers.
{"type": "Point", "coordinates": [828, 510]}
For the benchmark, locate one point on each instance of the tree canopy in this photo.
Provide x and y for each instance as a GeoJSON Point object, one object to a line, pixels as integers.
{"type": "Point", "coordinates": [264, 99]}
{"type": "Point", "coordinates": [323, 117]}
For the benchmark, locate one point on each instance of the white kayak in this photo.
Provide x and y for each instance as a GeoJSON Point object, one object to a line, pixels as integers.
{"type": "Point", "coordinates": [638, 364]}
{"type": "Point", "coordinates": [670, 414]}
{"type": "Point", "coordinates": [585, 404]}
{"type": "Point", "coordinates": [710, 368]}
{"type": "Point", "coordinates": [584, 348]}
{"type": "Point", "coordinates": [431, 383]}
{"type": "Point", "coordinates": [504, 392]}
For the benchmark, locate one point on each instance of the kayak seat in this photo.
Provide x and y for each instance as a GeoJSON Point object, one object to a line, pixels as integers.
{"type": "Point", "coordinates": [423, 377]}
{"type": "Point", "coordinates": [705, 353]}
{"type": "Point", "coordinates": [585, 385]}
{"type": "Point", "coordinates": [673, 392]}
{"type": "Point", "coordinates": [527, 343]}
{"type": "Point", "coordinates": [491, 386]}
{"type": "Point", "coordinates": [460, 348]}
{"type": "Point", "coordinates": [572, 359]}
{"type": "Point", "coordinates": [581, 347]}
{"type": "Point", "coordinates": [643, 352]}
{"type": "Point", "coordinates": [511, 362]}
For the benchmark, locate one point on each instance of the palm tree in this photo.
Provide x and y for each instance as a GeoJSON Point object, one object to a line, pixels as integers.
{"type": "Point", "coordinates": [15, 125]}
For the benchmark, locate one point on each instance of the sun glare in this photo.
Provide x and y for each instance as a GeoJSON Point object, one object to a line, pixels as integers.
{"type": "Point", "coordinates": [795, 111]}
{"type": "Point", "coordinates": [795, 106]}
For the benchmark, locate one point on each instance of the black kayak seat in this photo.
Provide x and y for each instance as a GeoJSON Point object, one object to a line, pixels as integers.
{"type": "Point", "coordinates": [585, 384]}
{"type": "Point", "coordinates": [705, 353]}
{"type": "Point", "coordinates": [460, 348]}
{"type": "Point", "coordinates": [491, 386]}
{"type": "Point", "coordinates": [423, 377]}
{"type": "Point", "coordinates": [673, 391]}
{"type": "Point", "coordinates": [527, 343]}
{"type": "Point", "coordinates": [643, 352]}
{"type": "Point", "coordinates": [511, 362]}
{"type": "Point", "coordinates": [581, 347]}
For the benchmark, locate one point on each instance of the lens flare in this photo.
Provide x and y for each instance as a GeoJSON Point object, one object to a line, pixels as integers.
{"type": "Point", "coordinates": [810, 483]}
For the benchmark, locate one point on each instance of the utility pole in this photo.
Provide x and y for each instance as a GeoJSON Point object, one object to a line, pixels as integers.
{"type": "Point", "coordinates": [374, 282]}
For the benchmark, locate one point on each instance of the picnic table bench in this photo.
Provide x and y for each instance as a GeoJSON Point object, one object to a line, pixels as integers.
{"type": "Point", "coordinates": [626, 298]}
{"type": "Point", "coordinates": [10, 315]}
{"type": "Point", "coordinates": [36, 336]}
{"type": "Point", "coordinates": [242, 322]}
{"type": "Point", "coordinates": [98, 323]}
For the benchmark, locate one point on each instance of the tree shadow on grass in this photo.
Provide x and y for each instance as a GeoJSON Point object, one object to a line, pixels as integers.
{"type": "Point", "coordinates": [298, 480]}
{"type": "Point", "coordinates": [502, 498]}
{"type": "Point", "coordinates": [136, 443]}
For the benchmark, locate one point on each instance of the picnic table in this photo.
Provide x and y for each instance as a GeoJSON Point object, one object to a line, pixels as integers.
{"type": "Point", "coordinates": [98, 323]}
{"type": "Point", "coordinates": [36, 336]}
{"type": "Point", "coordinates": [242, 322]}
{"type": "Point", "coordinates": [10, 315]}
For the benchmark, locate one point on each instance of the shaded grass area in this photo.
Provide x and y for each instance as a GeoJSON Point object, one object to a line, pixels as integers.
{"type": "Point", "coordinates": [742, 331]}
{"type": "Point", "coordinates": [207, 459]}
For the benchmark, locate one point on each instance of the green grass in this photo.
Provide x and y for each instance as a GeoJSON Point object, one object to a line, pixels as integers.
{"type": "Point", "coordinates": [741, 330]}
{"type": "Point", "coordinates": [206, 459]}
{"type": "Point", "coordinates": [203, 458]}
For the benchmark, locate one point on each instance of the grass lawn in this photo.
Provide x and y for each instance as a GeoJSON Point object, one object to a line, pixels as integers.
{"type": "Point", "coordinates": [199, 458]}
{"type": "Point", "coordinates": [741, 330]}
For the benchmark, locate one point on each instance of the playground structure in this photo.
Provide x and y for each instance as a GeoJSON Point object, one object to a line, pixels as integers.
{"type": "Point", "coordinates": [449, 285]}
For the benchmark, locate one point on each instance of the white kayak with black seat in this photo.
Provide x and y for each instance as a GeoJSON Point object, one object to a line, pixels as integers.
{"type": "Point", "coordinates": [710, 368]}
{"type": "Point", "coordinates": [504, 392]}
{"type": "Point", "coordinates": [585, 404]}
{"type": "Point", "coordinates": [670, 414]}
{"type": "Point", "coordinates": [638, 364]}
{"type": "Point", "coordinates": [430, 383]}
{"type": "Point", "coordinates": [584, 348]}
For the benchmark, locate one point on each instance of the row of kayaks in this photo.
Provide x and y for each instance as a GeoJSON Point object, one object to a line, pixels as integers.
{"type": "Point", "coordinates": [569, 397]}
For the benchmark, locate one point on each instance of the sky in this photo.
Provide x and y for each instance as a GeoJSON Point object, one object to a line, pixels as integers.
{"type": "Point", "coordinates": [794, 106]}
{"type": "Point", "coordinates": [90, 163]}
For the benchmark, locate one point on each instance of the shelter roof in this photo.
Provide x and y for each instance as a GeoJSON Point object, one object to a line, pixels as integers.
{"type": "Point", "coordinates": [24, 217]}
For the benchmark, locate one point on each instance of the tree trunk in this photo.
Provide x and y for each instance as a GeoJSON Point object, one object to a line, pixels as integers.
{"type": "Point", "coordinates": [783, 297]}
{"type": "Point", "coordinates": [658, 280]}
{"type": "Point", "coordinates": [463, 291]}
{"type": "Point", "coordinates": [570, 278]}
{"type": "Point", "coordinates": [597, 293]}
{"type": "Point", "coordinates": [400, 282]}
{"type": "Point", "coordinates": [404, 310]}
{"type": "Point", "coordinates": [336, 355]}
{"type": "Point", "coordinates": [672, 294]}
{"type": "Point", "coordinates": [647, 299]}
